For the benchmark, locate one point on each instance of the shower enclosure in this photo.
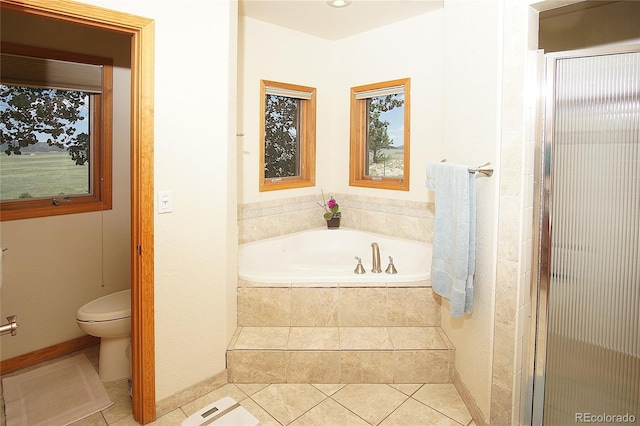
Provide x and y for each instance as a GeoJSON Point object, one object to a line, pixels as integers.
{"type": "Point", "coordinates": [587, 261]}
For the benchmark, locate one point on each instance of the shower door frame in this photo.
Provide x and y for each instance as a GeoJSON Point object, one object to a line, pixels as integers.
{"type": "Point", "coordinates": [542, 232]}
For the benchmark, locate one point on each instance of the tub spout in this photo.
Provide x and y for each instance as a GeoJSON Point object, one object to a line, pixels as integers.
{"type": "Point", "coordinates": [375, 255]}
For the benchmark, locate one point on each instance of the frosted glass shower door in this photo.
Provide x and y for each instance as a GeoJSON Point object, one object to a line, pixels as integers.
{"type": "Point", "coordinates": [592, 365]}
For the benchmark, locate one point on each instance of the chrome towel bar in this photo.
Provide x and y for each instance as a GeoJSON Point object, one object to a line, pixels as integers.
{"type": "Point", "coordinates": [484, 169]}
{"type": "Point", "coordinates": [12, 327]}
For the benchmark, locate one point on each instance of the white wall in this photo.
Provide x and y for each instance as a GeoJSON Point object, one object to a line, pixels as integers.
{"type": "Point", "coordinates": [412, 48]}
{"type": "Point", "coordinates": [472, 82]}
{"type": "Point", "coordinates": [56, 264]}
{"type": "Point", "coordinates": [271, 52]}
{"type": "Point", "coordinates": [194, 157]}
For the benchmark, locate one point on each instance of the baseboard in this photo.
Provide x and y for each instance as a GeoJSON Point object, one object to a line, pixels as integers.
{"type": "Point", "coordinates": [32, 358]}
{"type": "Point", "coordinates": [191, 393]}
{"type": "Point", "coordinates": [468, 400]}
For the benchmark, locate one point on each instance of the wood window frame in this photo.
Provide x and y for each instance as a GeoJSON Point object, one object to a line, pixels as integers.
{"type": "Point", "coordinates": [358, 143]}
{"type": "Point", "coordinates": [307, 145]}
{"type": "Point", "coordinates": [100, 197]}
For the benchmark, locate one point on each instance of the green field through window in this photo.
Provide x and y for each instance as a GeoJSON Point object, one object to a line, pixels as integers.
{"type": "Point", "coordinates": [41, 174]}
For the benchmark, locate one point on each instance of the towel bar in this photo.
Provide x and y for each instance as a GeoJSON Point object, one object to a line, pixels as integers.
{"type": "Point", "coordinates": [487, 171]}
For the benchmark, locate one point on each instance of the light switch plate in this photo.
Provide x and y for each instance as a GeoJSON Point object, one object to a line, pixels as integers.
{"type": "Point", "coordinates": [164, 202]}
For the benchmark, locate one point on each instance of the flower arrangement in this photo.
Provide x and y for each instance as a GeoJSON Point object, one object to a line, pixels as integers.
{"type": "Point", "coordinates": [331, 207]}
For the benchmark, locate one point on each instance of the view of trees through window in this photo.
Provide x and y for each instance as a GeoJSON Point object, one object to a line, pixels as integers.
{"type": "Point", "coordinates": [385, 139]}
{"type": "Point", "coordinates": [45, 142]}
{"type": "Point", "coordinates": [281, 141]}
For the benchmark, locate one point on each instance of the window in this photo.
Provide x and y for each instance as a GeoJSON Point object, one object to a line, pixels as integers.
{"type": "Point", "coordinates": [56, 110]}
{"type": "Point", "coordinates": [288, 135]}
{"type": "Point", "coordinates": [380, 135]}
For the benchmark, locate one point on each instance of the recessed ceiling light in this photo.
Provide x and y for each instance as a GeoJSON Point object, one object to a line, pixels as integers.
{"type": "Point", "coordinates": [339, 3]}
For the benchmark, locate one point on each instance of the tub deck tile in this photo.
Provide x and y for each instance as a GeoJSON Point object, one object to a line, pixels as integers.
{"type": "Point", "coordinates": [341, 355]}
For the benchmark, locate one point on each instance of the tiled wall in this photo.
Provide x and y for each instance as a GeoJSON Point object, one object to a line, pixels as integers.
{"type": "Point", "coordinates": [412, 220]}
{"type": "Point", "coordinates": [515, 212]}
{"type": "Point", "coordinates": [338, 306]}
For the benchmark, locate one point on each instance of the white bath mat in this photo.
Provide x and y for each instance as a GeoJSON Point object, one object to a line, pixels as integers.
{"type": "Point", "coordinates": [54, 395]}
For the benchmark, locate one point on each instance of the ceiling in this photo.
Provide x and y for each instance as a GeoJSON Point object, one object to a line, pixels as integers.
{"type": "Point", "coordinates": [317, 18]}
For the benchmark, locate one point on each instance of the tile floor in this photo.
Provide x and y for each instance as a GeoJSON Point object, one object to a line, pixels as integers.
{"type": "Point", "coordinates": [307, 404]}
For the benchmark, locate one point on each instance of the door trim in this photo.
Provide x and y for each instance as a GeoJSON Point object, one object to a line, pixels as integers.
{"type": "Point", "coordinates": [142, 35]}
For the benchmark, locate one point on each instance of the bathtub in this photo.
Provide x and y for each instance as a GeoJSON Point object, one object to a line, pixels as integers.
{"type": "Point", "coordinates": [328, 256]}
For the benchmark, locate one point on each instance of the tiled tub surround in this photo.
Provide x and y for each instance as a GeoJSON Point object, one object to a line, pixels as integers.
{"type": "Point", "coordinates": [412, 220]}
{"type": "Point", "coordinates": [339, 334]}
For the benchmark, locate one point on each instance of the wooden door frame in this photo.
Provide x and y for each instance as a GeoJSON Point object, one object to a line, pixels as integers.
{"type": "Point", "coordinates": [142, 35]}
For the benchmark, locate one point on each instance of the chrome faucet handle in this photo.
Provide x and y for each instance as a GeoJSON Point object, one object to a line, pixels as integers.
{"type": "Point", "coordinates": [359, 268]}
{"type": "Point", "coordinates": [391, 269]}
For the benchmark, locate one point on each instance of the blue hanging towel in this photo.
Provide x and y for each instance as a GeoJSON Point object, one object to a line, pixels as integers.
{"type": "Point", "coordinates": [454, 235]}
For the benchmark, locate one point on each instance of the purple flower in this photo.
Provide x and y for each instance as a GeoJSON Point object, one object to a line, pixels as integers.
{"type": "Point", "coordinates": [331, 203]}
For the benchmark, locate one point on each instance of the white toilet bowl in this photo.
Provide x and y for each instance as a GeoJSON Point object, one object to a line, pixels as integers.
{"type": "Point", "coordinates": [109, 317]}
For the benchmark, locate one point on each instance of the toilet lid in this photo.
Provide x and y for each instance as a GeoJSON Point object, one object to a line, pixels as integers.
{"type": "Point", "coordinates": [107, 308]}
{"type": "Point", "coordinates": [105, 316]}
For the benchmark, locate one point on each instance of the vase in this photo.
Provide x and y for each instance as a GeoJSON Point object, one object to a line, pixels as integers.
{"type": "Point", "coordinates": [333, 223]}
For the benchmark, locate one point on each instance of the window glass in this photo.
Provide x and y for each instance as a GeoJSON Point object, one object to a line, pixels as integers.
{"type": "Point", "coordinates": [46, 136]}
{"type": "Point", "coordinates": [281, 139]}
{"type": "Point", "coordinates": [379, 142]}
{"type": "Point", "coordinates": [288, 136]}
{"type": "Point", "coordinates": [385, 137]}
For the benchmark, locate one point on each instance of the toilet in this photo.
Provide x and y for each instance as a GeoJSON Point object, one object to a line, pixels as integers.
{"type": "Point", "coordinates": [109, 317]}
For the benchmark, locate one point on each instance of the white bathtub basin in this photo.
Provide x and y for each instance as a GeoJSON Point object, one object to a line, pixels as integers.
{"type": "Point", "coordinates": [328, 256]}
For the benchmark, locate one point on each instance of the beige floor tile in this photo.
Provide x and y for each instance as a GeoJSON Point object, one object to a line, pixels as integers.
{"type": "Point", "coordinates": [329, 412]}
{"type": "Point", "coordinates": [118, 391]}
{"type": "Point", "coordinates": [316, 338]}
{"type": "Point", "coordinates": [413, 412]}
{"type": "Point", "coordinates": [94, 420]}
{"type": "Point", "coordinates": [126, 421]}
{"type": "Point", "coordinates": [263, 338]}
{"type": "Point", "coordinates": [416, 338]}
{"type": "Point", "coordinates": [407, 389]}
{"type": "Point", "coordinates": [372, 402]}
{"type": "Point", "coordinates": [364, 338]}
{"type": "Point", "coordinates": [263, 417]}
{"type": "Point", "coordinates": [229, 390]}
{"type": "Point", "coordinates": [251, 388]}
{"type": "Point", "coordinates": [172, 418]}
{"type": "Point", "coordinates": [286, 402]}
{"type": "Point", "coordinates": [445, 399]}
{"type": "Point", "coordinates": [328, 388]}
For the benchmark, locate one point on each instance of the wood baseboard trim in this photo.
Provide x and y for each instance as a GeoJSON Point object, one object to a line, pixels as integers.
{"type": "Point", "coordinates": [32, 358]}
